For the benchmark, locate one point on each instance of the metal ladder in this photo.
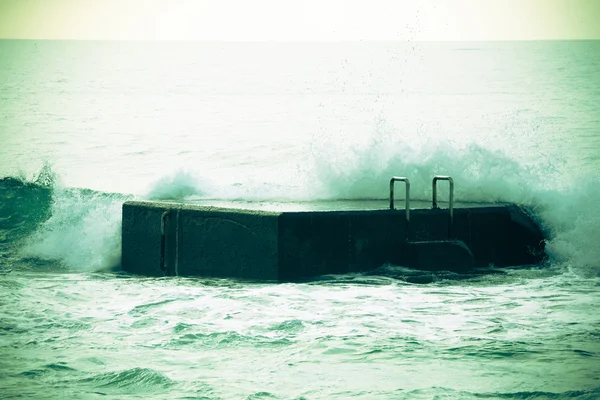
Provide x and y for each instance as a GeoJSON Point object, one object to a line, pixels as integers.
{"type": "Point", "coordinates": [434, 202]}
{"type": "Point", "coordinates": [450, 200]}
{"type": "Point", "coordinates": [437, 254]}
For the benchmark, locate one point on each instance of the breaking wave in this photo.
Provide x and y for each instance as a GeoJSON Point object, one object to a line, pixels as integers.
{"type": "Point", "coordinates": [80, 228]}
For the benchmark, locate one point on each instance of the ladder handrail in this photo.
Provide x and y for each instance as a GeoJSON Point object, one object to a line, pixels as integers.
{"type": "Point", "coordinates": [407, 194]}
{"type": "Point", "coordinates": [163, 223]}
{"type": "Point", "coordinates": [450, 199]}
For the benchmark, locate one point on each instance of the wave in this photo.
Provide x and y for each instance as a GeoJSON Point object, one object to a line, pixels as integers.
{"type": "Point", "coordinates": [140, 380]}
{"type": "Point", "coordinates": [562, 201]}
{"type": "Point", "coordinates": [78, 229]}
{"type": "Point", "coordinates": [81, 228]}
{"type": "Point", "coordinates": [23, 206]}
{"type": "Point", "coordinates": [443, 392]}
{"type": "Point", "coordinates": [563, 205]}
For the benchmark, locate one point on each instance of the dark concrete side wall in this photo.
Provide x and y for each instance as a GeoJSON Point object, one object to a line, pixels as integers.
{"type": "Point", "coordinates": [496, 235]}
{"type": "Point", "coordinates": [228, 243]}
{"type": "Point", "coordinates": [525, 237]}
{"type": "Point", "coordinates": [141, 238]}
{"type": "Point", "coordinates": [484, 230]}
{"type": "Point", "coordinates": [220, 242]}
{"type": "Point", "coordinates": [200, 241]}
{"type": "Point", "coordinates": [319, 243]}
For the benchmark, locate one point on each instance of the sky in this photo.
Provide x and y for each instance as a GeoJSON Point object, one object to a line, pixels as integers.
{"type": "Point", "coordinates": [300, 20]}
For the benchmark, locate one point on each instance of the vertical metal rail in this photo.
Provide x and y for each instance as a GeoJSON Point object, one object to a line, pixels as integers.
{"type": "Point", "coordinates": [177, 239]}
{"type": "Point", "coordinates": [450, 199]}
{"type": "Point", "coordinates": [163, 223]}
{"type": "Point", "coordinates": [406, 196]}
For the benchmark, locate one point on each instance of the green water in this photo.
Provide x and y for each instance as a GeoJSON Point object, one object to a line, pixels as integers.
{"type": "Point", "coordinates": [522, 335]}
{"type": "Point", "coordinates": [85, 126]}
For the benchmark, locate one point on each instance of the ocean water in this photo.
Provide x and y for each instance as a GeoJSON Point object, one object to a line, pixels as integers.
{"type": "Point", "coordinates": [85, 126]}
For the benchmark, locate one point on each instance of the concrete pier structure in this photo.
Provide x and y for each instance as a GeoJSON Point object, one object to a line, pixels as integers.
{"type": "Point", "coordinates": [267, 243]}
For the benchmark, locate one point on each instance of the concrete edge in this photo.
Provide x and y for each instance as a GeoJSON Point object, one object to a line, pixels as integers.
{"type": "Point", "coordinates": [165, 205]}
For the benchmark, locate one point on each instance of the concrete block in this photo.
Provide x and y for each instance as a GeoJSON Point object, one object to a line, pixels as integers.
{"type": "Point", "coordinates": [289, 246]}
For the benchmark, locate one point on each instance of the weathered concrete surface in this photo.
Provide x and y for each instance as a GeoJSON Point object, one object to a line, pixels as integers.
{"type": "Point", "coordinates": [288, 246]}
{"type": "Point", "coordinates": [199, 241]}
{"type": "Point", "coordinates": [438, 255]}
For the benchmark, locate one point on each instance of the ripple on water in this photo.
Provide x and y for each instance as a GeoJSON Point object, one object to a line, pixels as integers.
{"type": "Point", "coordinates": [57, 367]}
{"type": "Point", "coordinates": [134, 380]}
{"type": "Point", "coordinates": [261, 395]}
{"type": "Point", "coordinates": [228, 339]}
{"type": "Point", "coordinates": [290, 326]}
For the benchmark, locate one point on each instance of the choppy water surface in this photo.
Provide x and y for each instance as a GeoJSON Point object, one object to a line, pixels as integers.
{"type": "Point", "coordinates": [523, 335]}
{"type": "Point", "coordinates": [87, 126]}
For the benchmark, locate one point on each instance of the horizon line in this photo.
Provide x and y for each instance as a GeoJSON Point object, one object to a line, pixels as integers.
{"type": "Point", "coordinates": [307, 41]}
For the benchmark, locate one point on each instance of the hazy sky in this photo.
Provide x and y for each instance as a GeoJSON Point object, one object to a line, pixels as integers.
{"type": "Point", "coordinates": [301, 20]}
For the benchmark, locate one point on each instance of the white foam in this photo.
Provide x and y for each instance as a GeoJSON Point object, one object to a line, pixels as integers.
{"type": "Point", "coordinates": [83, 232]}
{"type": "Point", "coordinates": [564, 202]}
{"type": "Point", "coordinates": [178, 185]}
{"type": "Point", "coordinates": [84, 229]}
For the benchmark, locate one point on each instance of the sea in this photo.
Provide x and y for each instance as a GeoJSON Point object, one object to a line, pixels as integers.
{"type": "Point", "coordinates": [88, 125]}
